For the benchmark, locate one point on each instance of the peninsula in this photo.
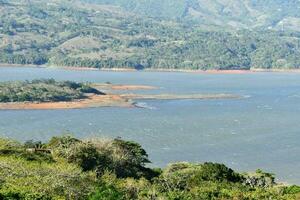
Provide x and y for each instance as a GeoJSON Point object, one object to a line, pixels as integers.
{"type": "Point", "coordinates": [51, 94]}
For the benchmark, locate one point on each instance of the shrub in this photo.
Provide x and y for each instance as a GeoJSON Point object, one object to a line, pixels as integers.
{"type": "Point", "coordinates": [61, 145]}
{"type": "Point", "coordinates": [177, 176]}
{"type": "Point", "coordinates": [33, 144]}
{"type": "Point", "coordinates": [86, 156]}
{"type": "Point", "coordinates": [216, 172]}
{"type": "Point", "coordinates": [128, 158]}
{"type": "Point", "coordinates": [182, 176]}
{"type": "Point", "coordinates": [36, 156]}
{"type": "Point", "coordinates": [107, 192]}
{"type": "Point", "coordinates": [259, 179]}
{"type": "Point", "coordinates": [124, 158]}
{"type": "Point", "coordinates": [294, 189]}
{"type": "Point", "coordinates": [9, 147]}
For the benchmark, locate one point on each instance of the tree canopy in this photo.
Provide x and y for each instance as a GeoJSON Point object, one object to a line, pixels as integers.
{"type": "Point", "coordinates": [44, 90]}
{"type": "Point", "coordinates": [69, 168]}
{"type": "Point", "coordinates": [65, 33]}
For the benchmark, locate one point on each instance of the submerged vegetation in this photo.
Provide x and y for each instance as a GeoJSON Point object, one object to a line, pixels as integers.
{"type": "Point", "coordinates": [69, 168]}
{"type": "Point", "coordinates": [44, 90]}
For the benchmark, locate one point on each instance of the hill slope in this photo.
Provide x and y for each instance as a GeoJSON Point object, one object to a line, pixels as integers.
{"type": "Point", "coordinates": [72, 33]}
{"type": "Point", "coordinates": [226, 13]}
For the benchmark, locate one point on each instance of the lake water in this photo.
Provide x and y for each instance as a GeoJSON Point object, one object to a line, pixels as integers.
{"type": "Point", "coordinates": [261, 131]}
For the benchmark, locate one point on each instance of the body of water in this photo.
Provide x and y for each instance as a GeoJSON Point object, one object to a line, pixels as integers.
{"type": "Point", "coordinates": [260, 131]}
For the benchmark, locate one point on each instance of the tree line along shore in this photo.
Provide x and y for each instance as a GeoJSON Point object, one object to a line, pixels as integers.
{"type": "Point", "coordinates": [89, 35]}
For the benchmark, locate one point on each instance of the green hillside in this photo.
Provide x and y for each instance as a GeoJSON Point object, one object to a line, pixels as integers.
{"type": "Point", "coordinates": [72, 33]}
{"type": "Point", "coordinates": [228, 13]}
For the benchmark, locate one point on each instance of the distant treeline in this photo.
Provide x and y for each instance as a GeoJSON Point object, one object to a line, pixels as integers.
{"type": "Point", "coordinates": [86, 36]}
{"type": "Point", "coordinates": [44, 90]}
{"type": "Point", "coordinates": [204, 50]}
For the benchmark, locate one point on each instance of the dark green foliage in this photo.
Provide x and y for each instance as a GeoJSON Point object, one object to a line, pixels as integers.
{"type": "Point", "coordinates": [45, 90]}
{"type": "Point", "coordinates": [216, 172]}
{"type": "Point", "coordinates": [130, 164]}
{"type": "Point", "coordinates": [36, 156]}
{"type": "Point", "coordinates": [107, 192]}
{"type": "Point", "coordinates": [84, 88]}
{"type": "Point", "coordinates": [137, 154]}
{"type": "Point", "coordinates": [86, 156]}
{"type": "Point", "coordinates": [133, 163]}
{"type": "Point", "coordinates": [294, 189]}
{"type": "Point", "coordinates": [124, 158]}
{"type": "Point", "coordinates": [33, 144]}
{"type": "Point", "coordinates": [182, 176]}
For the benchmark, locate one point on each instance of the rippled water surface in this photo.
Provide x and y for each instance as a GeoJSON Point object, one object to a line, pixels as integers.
{"type": "Point", "coordinates": [261, 131]}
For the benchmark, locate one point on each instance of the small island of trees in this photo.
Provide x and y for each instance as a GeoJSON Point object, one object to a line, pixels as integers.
{"type": "Point", "coordinates": [44, 90]}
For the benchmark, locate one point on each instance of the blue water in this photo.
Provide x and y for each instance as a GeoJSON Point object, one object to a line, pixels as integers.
{"type": "Point", "coordinates": [261, 131]}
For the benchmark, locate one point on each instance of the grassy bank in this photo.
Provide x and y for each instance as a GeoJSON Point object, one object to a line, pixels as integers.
{"type": "Point", "coordinates": [68, 168]}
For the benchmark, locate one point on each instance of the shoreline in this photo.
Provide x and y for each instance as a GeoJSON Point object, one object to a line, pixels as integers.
{"type": "Point", "coordinates": [110, 100]}
{"type": "Point", "coordinates": [111, 87]}
{"type": "Point", "coordinates": [94, 101]}
{"type": "Point", "coordinates": [212, 71]}
{"type": "Point", "coordinates": [179, 97]}
{"type": "Point", "coordinates": [3, 65]}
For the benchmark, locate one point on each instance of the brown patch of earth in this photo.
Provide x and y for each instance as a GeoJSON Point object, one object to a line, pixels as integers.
{"type": "Point", "coordinates": [90, 102]}
{"type": "Point", "coordinates": [109, 100]}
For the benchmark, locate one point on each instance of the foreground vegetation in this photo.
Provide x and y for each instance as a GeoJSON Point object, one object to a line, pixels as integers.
{"type": "Point", "coordinates": [68, 168]}
{"type": "Point", "coordinates": [70, 33]}
{"type": "Point", "coordinates": [44, 90]}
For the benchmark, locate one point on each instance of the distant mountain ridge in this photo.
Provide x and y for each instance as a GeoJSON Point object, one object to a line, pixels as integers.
{"type": "Point", "coordinates": [265, 14]}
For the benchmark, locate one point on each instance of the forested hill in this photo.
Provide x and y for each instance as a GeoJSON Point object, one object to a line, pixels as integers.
{"type": "Point", "coordinates": [121, 33]}
{"type": "Point", "coordinates": [265, 14]}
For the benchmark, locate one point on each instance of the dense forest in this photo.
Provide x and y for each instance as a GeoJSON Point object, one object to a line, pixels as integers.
{"type": "Point", "coordinates": [73, 33]}
{"type": "Point", "coordinates": [69, 168]}
{"type": "Point", "coordinates": [44, 90]}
